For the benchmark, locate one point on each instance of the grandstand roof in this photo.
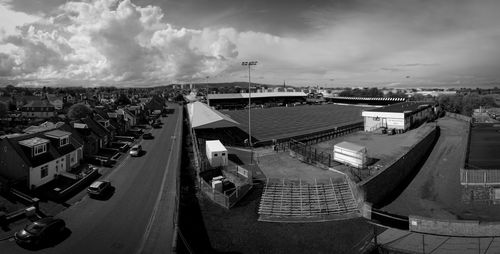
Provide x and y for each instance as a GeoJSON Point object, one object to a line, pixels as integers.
{"type": "Point", "coordinates": [202, 116]}
{"type": "Point", "coordinates": [403, 107]}
{"type": "Point", "coordinates": [255, 95]}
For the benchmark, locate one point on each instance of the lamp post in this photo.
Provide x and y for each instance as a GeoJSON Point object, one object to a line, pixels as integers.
{"type": "Point", "coordinates": [206, 94]}
{"type": "Point", "coordinates": [249, 64]}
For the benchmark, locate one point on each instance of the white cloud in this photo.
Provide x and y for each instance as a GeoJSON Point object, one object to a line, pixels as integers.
{"type": "Point", "coordinates": [116, 41]}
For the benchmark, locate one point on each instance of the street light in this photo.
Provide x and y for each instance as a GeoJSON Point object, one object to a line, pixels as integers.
{"type": "Point", "coordinates": [249, 64]}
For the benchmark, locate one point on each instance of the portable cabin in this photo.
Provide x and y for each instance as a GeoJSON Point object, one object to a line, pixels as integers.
{"type": "Point", "coordinates": [216, 153]}
{"type": "Point", "coordinates": [350, 153]}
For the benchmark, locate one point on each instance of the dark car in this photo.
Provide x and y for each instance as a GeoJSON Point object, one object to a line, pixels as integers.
{"type": "Point", "coordinates": [156, 126]}
{"type": "Point", "coordinates": [99, 188]}
{"type": "Point", "coordinates": [147, 135]}
{"type": "Point", "coordinates": [40, 231]}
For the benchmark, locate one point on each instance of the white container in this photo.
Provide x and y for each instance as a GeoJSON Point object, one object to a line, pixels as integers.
{"type": "Point", "coordinates": [217, 185]}
{"type": "Point", "coordinates": [351, 154]}
{"type": "Point", "coordinates": [216, 153]}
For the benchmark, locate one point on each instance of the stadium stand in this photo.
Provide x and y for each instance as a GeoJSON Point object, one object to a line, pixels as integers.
{"type": "Point", "coordinates": [284, 200]}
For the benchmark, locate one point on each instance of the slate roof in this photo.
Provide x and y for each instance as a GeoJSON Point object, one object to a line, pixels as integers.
{"type": "Point", "coordinates": [53, 151]}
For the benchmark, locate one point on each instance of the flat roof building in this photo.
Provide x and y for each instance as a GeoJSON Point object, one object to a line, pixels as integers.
{"type": "Point", "coordinates": [400, 116]}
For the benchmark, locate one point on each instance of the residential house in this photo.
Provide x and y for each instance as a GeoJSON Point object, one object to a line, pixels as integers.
{"type": "Point", "coordinates": [70, 98]}
{"type": "Point", "coordinates": [43, 127]}
{"type": "Point", "coordinates": [101, 117]}
{"type": "Point", "coordinates": [56, 101]}
{"type": "Point", "coordinates": [36, 159]}
{"type": "Point", "coordinates": [38, 109]}
{"type": "Point", "coordinates": [23, 100]}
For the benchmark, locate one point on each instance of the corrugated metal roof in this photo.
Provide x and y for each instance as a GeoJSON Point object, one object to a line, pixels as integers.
{"type": "Point", "coordinates": [202, 116]}
{"type": "Point", "coordinates": [255, 95]}
{"type": "Point", "coordinates": [350, 146]}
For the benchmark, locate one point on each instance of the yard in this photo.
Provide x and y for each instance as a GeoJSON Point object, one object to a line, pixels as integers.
{"type": "Point", "coordinates": [436, 191]}
{"type": "Point", "coordinates": [282, 122]}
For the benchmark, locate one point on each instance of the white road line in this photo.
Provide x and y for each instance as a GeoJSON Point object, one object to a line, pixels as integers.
{"type": "Point", "coordinates": [160, 194]}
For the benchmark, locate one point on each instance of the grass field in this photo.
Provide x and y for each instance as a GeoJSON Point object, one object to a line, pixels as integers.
{"type": "Point", "coordinates": [282, 122]}
{"type": "Point", "coordinates": [484, 146]}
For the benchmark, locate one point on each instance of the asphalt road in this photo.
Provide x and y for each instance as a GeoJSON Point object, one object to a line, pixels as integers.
{"type": "Point", "coordinates": [138, 218]}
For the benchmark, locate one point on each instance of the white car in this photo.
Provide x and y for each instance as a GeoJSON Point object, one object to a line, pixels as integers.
{"type": "Point", "coordinates": [135, 150]}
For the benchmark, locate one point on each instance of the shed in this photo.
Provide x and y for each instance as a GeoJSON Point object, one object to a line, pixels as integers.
{"type": "Point", "coordinates": [350, 153]}
{"type": "Point", "coordinates": [216, 153]}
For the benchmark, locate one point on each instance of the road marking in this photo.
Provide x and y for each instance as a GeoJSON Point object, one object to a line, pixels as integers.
{"type": "Point", "coordinates": [160, 195]}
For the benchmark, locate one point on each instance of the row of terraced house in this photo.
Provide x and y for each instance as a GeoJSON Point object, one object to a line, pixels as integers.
{"type": "Point", "coordinates": [39, 153]}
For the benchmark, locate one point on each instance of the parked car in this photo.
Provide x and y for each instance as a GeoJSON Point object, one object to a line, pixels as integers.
{"type": "Point", "coordinates": [156, 125]}
{"type": "Point", "coordinates": [40, 232]}
{"type": "Point", "coordinates": [99, 188]}
{"type": "Point", "coordinates": [136, 150]}
{"type": "Point", "coordinates": [147, 135]}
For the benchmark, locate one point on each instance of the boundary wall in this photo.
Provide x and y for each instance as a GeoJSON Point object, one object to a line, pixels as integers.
{"type": "Point", "coordinates": [378, 187]}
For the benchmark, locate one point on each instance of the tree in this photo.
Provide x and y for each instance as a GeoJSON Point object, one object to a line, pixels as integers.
{"type": "Point", "coordinates": [122, 100]}
{"type": "Point", "coordinates": [79, 111]}
{"type": "Point", "coordinates": [4, 108]}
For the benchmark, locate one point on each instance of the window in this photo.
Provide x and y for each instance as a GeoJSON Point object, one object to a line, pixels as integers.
{"type": "Point", "coordinates": [223, 154]}
{"type": "Point", "coordinates": [44, 171]}
{"type": "Point", "coordinates": [64, 141]}
{"type": "Point", "coordinates": [39, 149]}
{"type": "Point", "coordinates": [215, 155]}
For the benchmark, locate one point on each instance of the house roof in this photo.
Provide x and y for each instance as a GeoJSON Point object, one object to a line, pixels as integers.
{"type": "Point", "coordinates": [34, 141]}
{"type": "Point", "coordinates": [202, 116]}
{"type": "Point", "coordinates": [38, 104]}
{"type": "Point", "coordinates": [57, 134]}
{"type": "Point", "coordinates": [98, 129]}
{"type": "Point", "coordinates": [22, 145]}
{"type": "Point", "coordinates": [43, 127]}
{"type": "Point", "coordinates": [53, 97]}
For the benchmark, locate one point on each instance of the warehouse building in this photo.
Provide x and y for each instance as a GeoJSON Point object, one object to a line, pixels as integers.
{"type": "Point", "coordinates": [400, 116]}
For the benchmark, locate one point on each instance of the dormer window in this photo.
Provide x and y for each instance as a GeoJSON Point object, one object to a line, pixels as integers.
{"type": "Point", "coordinates": [62, 137]}
{"type": "Point", "coordinates": [36, 145]}
{"type": "Point", "coordinates": [39, 149]}
{"type": "Point", "coordinates": [64, 141]}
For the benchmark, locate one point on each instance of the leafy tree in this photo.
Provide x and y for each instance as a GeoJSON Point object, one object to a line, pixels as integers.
{"type": "Point", "coordinates": [4, 108]}
{"type": "Point", "coordinates": [122, 100]}
{"type": "Point", "coordinates": [78, 111]}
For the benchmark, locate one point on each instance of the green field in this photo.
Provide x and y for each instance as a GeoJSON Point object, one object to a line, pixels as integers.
{"type": "Point", "coordinates": [283, 122]}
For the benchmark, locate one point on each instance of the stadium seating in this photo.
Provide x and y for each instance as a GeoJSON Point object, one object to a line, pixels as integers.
{"type": "Point", "coordinates": [288, 199]}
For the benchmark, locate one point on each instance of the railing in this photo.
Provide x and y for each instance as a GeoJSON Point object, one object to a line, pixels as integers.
{"type": "Point", "coordinates": [479, 177]}
{"type": "Point", "coordinates": [316, 137]}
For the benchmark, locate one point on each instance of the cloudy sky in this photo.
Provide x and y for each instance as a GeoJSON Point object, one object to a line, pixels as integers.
{"type": "Point", "coordinates": [315, 42]}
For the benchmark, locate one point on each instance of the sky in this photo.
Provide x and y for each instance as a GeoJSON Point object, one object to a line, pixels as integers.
{"type": "Point", "coordinates": [301, 42]}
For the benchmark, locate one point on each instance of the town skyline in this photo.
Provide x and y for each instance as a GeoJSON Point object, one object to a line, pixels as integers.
{"type": "Point", "coordinates": [147, 43]}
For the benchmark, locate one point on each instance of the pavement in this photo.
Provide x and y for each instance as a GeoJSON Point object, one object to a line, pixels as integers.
{"type": "Point", "coordinates": [139, 216]}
